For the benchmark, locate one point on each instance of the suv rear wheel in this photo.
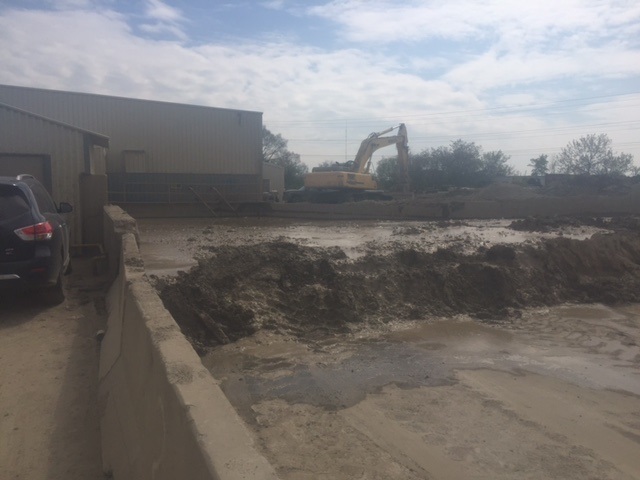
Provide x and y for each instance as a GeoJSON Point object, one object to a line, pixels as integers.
{"type": "Point", "coordinates": [53, 295]}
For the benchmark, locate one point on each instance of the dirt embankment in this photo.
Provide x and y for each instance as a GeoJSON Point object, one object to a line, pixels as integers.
{"type": "Point", "coordinates": [302, 290]}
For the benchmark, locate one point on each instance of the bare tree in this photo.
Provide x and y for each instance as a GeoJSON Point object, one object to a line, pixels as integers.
{"type": "Point", "coordinates": [592, 155]}
{"type": "Point", "coordinates": [274, 150]}
{"type": "Point", "coordinates": [273, 146]}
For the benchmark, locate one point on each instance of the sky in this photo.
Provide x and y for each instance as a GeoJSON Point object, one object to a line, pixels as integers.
{"type": "Point", "coordinates": [524, 77]}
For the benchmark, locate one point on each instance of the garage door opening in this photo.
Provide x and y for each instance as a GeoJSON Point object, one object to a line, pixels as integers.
{"type": "Point", "coordinates": [12, 164]}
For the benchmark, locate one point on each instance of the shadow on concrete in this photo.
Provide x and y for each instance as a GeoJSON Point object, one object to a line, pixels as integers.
{"type": "Point", "coordinates": [18, 307]}
{"type": "Point", "coordinates": [75, 449]}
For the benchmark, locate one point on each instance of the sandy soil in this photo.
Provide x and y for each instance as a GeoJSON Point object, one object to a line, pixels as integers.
{"type": "Point", "coordinates": [349, 361]}
{"type": "Point", "coordinates": [48, 383]}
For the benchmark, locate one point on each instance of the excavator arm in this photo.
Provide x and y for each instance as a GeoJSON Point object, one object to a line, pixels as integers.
{"type": "Point", "coordinates": [403, 159]}
{"type": "Point", "coordinates": [375, 141]}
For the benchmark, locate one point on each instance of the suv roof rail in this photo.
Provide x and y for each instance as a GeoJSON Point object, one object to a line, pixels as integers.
{"type": "Point", "coordinates": [22, 176]}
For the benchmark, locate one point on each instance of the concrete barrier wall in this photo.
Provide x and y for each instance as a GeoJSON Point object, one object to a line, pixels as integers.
{"type": "Point", "coordinates": [549, 206]}
{"type": "Point", "coordinates": [462, 208]}
{"type": "Point", "coordinates": [163, 416]}
{"type": "Point", "coordinates": [407, 208]}
{"type": "Point", "coordinates": [116, 223]}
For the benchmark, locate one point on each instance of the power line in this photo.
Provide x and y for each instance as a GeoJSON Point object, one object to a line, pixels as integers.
{"type": "Point", "coordinates": [555, 130]}
{"type": "Point", "coordinates": [456, 113]}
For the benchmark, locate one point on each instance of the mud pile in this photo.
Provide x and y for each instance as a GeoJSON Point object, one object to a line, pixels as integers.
{"type": "Point", "coordinates": [309, 291]}
{"type": "Point", "coordinates": [549, 224]}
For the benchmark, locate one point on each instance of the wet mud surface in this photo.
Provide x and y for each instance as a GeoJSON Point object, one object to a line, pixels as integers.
{"type": "Point", "coordinates": [309, 291]}
{"type": "Point", "coordinates": [418, 350]}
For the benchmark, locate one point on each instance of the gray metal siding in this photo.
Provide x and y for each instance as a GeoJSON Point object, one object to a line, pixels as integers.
{"type": "Point", "coordinates": [22, 134]}
{"type": "Point", "coordinates": [275, 175]}
{"type": "Point", "coordinates": [183, 188]}
{"type": "Point", "coordinates": [176, 138]}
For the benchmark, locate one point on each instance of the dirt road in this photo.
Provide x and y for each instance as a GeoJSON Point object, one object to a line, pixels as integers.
{"type": "Point", "coordinates": [48, 383]}
{"type": "Point", "coordinates": [481, 371]}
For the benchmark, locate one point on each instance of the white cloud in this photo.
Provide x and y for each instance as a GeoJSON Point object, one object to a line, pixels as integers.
{"type": "Point", "coordinates": [159, 28]}
{"type": "Point", "coordinates": [313, 96]}
{"type": "Point", "coordinates": [388, 21]}
{"type": "Point", "coordinates": [164, 19]}
{"type": "Point", "coordinates": [274, 4]}
{"type": "Point", "coordinates": [514, 42]}
{"type": "Point", "coordinates": [162, 12]}
{"type": "Point", "coordinates": [69, 4]}
{"type": "Point", "coordinates": [491, 70]}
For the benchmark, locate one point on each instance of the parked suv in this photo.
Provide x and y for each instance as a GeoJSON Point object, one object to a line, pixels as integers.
{"type": "Point", "coordinates": [34, 238]}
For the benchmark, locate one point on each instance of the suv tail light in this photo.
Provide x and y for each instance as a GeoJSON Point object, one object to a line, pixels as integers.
{"type": "Point", "coordinates": [39, 231]}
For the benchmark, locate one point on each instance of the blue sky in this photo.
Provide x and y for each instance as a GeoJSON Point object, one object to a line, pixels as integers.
{"type": "Point", "coordinates": [523, 77]}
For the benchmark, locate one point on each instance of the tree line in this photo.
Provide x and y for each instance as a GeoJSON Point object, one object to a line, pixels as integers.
{"type": "Point", "coordinates": [460, 164]}
{"type": "Point", "coordinates": [465, 164]}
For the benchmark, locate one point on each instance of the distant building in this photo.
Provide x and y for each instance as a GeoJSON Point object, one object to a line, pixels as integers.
{"type": "Point", "coordinates": [273, 181]}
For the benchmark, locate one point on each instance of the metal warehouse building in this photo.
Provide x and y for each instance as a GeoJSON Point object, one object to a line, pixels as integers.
{"type": "Point", "coordinates": [62, 157]}
{"type": "Point", "coordinates": [159, 152]}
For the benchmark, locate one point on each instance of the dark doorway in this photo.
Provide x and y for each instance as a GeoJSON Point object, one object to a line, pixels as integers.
{"type": "Point", "coordinates": [12, 164]}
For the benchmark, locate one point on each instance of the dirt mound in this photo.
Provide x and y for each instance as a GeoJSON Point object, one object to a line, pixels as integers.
{"type": "Point", "coordinates": [307, 291]}
{"type": "Point", "coordinates": [506, 191]}
{"type": "Point", "coordinates": [590, 185]}
{"type": "Point", "coordinates": [548, 224]}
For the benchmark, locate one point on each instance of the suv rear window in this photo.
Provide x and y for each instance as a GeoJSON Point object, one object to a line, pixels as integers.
{"type": "Point", "coordinates": [45, 204]}
{"type": "Point", "coordinates": [12, 203]}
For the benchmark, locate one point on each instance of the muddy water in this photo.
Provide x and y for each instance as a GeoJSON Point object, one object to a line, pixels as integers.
{"type": "Point", "coordinates": [583, 345]}
{"type": "Point", "coordinates": [169, 245]}
{"type": "Point", "coordinates": [341, 370]}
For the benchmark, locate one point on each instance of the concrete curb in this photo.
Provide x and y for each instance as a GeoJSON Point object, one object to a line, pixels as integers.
{"type": "Point", "coordinates": [163, 416]}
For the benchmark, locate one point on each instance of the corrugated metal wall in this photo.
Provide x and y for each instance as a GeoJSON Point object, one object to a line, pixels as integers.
{"type": "Point", "coordinates": [275, 175]}
{"type": "Point", "coordinates": [183, 188]}
{"type": "Point", "coordinates": [175, 138]}
{"type": "Point", "coordinates": [24, 134]}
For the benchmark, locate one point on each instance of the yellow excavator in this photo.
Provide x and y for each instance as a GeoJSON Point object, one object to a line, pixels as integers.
{"type": "Point", "coordinates": [351, 181]}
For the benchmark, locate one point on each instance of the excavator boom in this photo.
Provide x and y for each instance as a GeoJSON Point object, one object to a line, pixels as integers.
{"type": "Point", "coordinates": [375, 141]}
